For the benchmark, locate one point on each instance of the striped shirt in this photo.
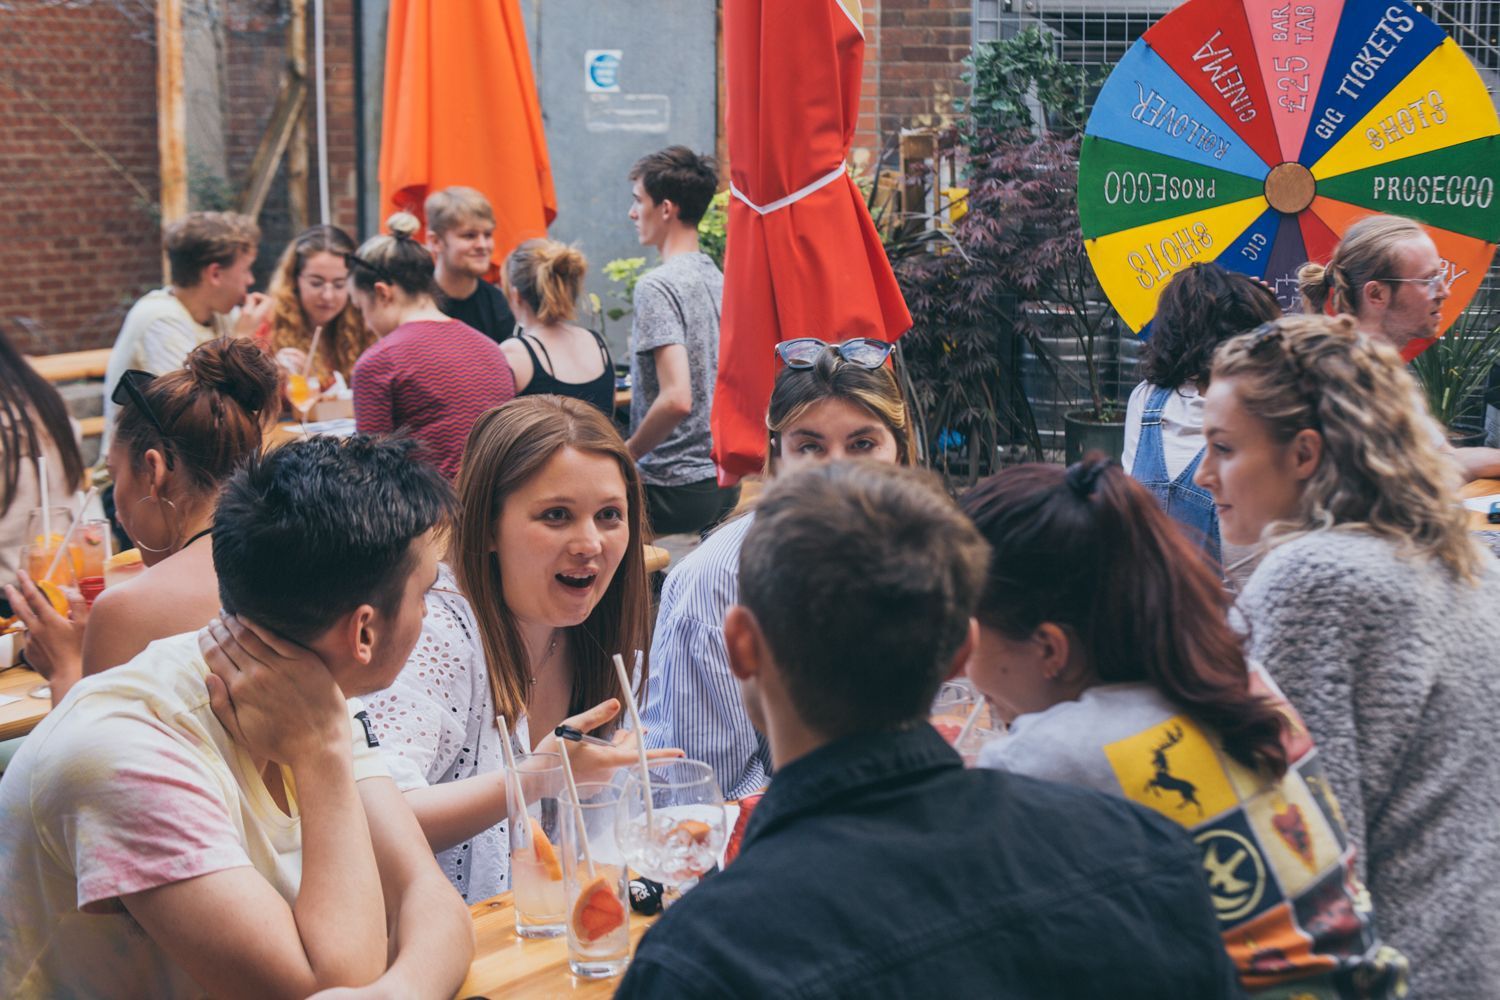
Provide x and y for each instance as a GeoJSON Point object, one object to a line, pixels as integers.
{"type": "Point", "coordinates": [434, 379]}
{"type": "Point", "coordinates": [693, 701]}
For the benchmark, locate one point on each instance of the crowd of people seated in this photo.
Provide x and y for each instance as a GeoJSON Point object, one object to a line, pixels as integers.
{"type": "Point", "coordinates": [1243, 682]}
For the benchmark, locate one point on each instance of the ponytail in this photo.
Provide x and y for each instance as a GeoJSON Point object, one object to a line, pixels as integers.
{"type": "Point", "coordinates": [1088, 548]}
{"type": "Point", "coordinates": [548, 277]}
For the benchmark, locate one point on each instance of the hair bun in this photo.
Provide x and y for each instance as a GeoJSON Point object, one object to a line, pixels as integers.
{"type": "Point", "coordinates": [404, 225]}
{"type": "Point", "coordinates": [235, 367]}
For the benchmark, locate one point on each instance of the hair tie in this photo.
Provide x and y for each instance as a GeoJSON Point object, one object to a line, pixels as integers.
{"type": "Point", "coordinates": [1083, 476]}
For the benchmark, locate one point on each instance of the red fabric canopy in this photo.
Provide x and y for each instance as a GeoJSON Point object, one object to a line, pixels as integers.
{"type": "Point", "coordinates": [803, 257]}
{"type": "Point", "coordinates": [461, 108]}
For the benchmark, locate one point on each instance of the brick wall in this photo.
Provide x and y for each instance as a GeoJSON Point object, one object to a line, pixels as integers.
{"type": "Point", "coordinates": [77, 241]}
{"type": "Point", "coordinates": [914, 52]}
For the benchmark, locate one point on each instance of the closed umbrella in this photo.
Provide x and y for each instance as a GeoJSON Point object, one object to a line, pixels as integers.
{"type": "Point", "coordinates": [461, 109]}
{"type": "Point", "coordinates": [803, 257]}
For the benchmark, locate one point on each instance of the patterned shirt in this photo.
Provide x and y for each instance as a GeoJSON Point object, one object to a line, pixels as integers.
{"type": "Point", "coordinates": [1276, 854]}
{"type": "Point", "coordinates": [434, 379]}
{"type": "Point", "coordinates": [677, 303]}
{"type": "Point", "coordinates": [693, 701]}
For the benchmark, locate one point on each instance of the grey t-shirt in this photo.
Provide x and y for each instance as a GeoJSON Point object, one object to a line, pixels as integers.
{"type": "Point", "coordinates": [677, 303]}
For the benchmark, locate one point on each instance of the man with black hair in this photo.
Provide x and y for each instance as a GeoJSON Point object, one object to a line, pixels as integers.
{"type": "Point", "coordinates": [213, 816]}
{"type": "Point", "coordinates": [674, 344]}
{"type": "Point", "coordinates": [876, 864]}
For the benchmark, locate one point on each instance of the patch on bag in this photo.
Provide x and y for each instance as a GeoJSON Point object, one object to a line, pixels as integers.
{"type": "Point", "coordinates": [364, 718]}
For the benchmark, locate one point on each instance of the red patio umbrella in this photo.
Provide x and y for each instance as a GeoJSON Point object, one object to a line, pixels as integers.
{"type": "Point", "coordinates": [461, 108]}
{"type": "Point", "coordinates": [803, 257]}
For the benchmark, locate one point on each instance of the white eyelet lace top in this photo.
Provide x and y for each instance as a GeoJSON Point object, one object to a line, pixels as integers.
{"type": "Point", "coordinates": [437, 724]}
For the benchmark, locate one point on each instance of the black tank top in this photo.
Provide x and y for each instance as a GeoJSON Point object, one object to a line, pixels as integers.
{"type": "Point", "coordinates": [599, 392]}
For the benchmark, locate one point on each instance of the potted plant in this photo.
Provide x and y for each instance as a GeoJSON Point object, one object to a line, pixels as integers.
{"type": "Point", "coordinates": [1454, 371]}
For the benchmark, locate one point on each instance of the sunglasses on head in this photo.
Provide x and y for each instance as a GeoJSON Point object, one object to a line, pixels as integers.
{"type": "Point", "coordinates": [131, 389]}
{"type": "Point", "coordinates": [355, 262]}
{"type": "Point", "coordinates": [862, 352]}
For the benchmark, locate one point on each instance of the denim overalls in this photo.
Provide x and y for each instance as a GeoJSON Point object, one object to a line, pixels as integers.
{"type": "Point", "coordinates": [1181, 497]}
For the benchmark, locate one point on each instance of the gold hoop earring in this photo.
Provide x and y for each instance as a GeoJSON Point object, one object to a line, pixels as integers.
{"type": "Point", "coordinates": [170, 521]}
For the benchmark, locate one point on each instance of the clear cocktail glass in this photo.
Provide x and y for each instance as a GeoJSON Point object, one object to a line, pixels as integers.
{"type": "Point", "coordinates": [683, 836]}
{"type": "Point", "coordinates": [595, 883]}
{"type": "Point", "coordinates": [536, 874]}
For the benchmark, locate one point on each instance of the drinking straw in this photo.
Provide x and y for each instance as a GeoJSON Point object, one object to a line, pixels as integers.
{"type": "Point", "coordinates": [511, 772]}
{"type": "Point", "coordinates": [583, 830]}
{"type": "Point", "coordinates": [68, 538]}
{"type": "Point", "coordinates": [41, 471]}
{"type": "Point", "coordinates": [640, 739]}
{"type": "Point", "coordinates": [968, 728]}
{"type": "Point", "coordinates": [312, 351]}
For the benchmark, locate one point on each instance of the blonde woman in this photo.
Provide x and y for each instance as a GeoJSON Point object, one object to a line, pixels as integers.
{"type": "Point", "coordinates": [1377, 613]}
{"type": "Point", "coordinates": [554, 356]}
{"type": "Point", "coordinates": [310, 289]}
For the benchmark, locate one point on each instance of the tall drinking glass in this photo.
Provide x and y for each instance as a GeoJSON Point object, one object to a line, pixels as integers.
{"type": "Point", "coordinates": [595, 882]}
{"type": "Point", "coordinates": [686, 828]}
{"type": "Point", "coordinates": [536, 875]}
{"type": "Point", "coordinates": [44, 536]}
{"type": "Point", "coordinates": [93, 544]}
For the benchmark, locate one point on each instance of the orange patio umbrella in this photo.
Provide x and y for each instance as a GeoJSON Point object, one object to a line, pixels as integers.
{"type": "Point", "coordinates": [461, 108]}
{"type": "Point", "coordinates": [803, 257]}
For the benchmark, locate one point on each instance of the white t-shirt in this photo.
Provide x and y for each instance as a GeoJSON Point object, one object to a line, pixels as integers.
{"type": "Point", "coordinates": [131, 783]}
{"type": "Point", "coordinates": [157, 336]}
{"type": "Point", "coordinates": [1181, 427]}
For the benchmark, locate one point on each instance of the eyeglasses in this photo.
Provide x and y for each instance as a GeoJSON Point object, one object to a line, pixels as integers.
{"type": "Point", "coordinates": [1434, 284]}
{"type": "Point", "coordinates": [862, 352]}
{"type": "Point", "coordinates": [131, 389]}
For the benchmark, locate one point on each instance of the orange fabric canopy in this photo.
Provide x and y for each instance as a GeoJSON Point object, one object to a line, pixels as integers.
{"type": "Point", "coordinates": [803, 257]}
{"type": "Point", "coordinates": [461, 109]}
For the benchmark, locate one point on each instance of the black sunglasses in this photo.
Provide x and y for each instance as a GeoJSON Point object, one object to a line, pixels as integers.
{"type": "Point", "coordinates": [131, 389]}
{"type": "Point", "coordinates": [862, 352]}
{"type": "Point", "coordinates": [355, 262]}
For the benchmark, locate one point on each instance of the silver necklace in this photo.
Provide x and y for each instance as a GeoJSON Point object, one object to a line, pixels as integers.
{"type": "Point", "coordinates": [546, 659]}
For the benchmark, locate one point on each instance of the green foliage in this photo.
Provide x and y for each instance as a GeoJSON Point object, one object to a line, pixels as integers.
{"type": "Point", "coordinates": [711, 228]}
{"type": "Point", "coordinates": [1013, 75]}
{"type": "Point", "coordinates": [1453, 371]}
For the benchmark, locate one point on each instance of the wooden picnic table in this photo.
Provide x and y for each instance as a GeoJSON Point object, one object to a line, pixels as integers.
{"type": "Point", "coordinates": [72, 366]}
{"type": "Point", "coordinates": [506, 965]}
{"type": "Point", "coordinates": [1480, 488]}
{"type": "Point", "coordinates": [18, 718]}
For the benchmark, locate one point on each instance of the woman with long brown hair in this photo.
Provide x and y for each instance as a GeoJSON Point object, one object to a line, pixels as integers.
{"type": "Point", "coordinates": [1104, 644]}
{"type": "Point", "coordinates": [544, 582]}
{"type": "Point", "coordinates": [310, 289]}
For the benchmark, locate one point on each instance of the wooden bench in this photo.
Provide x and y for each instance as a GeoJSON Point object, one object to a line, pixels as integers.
{"type": "Point", "coordinates": [71, 367]}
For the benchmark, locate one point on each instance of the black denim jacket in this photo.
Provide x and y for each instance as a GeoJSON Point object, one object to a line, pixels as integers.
{"type": "Point", "coordinates": [878, 866]}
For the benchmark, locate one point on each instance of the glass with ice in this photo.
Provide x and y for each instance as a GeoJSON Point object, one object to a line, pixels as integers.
{"type": "Point", "coordinates": [679, 839]}
{"type": "Point", "coordinates": [536, 876]}
{"type": "Point", "coordinates": [594, 879]}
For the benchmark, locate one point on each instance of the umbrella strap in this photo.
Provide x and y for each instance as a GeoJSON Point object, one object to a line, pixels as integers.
{"type": "Point", "coordinates": [795, 196]}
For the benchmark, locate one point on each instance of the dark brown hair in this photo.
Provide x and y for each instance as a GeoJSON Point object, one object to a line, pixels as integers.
{"type": "Point", "coordinates": [31, 413]}
{"type": "Point", "coordinates": [203, 238]}
{"type": "Point", "coordinates": [681, 176]}
{"type": "Point", "coordinates": [1087, 548]}
{"type": "Point", "coordinates": [862, 577]}
{"type": "Point", "coordinates": [1199, 309]}
{"type": "Point", "coordinates": [213, 410]}
{"type": "Point", "coordinates": [507, 446]}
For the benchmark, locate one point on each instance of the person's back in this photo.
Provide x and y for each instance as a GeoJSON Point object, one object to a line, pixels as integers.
{"type": "Point", "coordinates": [876, 864]}
{"type": "Point", "coordinates": [553, 356]}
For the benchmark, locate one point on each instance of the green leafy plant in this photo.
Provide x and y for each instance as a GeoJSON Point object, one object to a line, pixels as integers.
{"type": "Point", "coordinates": [713, 228]}
{"type": "Point", "coordinates": [625, 272]}
{"type": "Point", "coordinates": [1015, 76]}
{"type": "Point", "coordinates": [1454, 370]}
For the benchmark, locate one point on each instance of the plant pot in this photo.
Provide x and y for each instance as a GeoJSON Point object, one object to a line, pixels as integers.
{"type": "Point", "coordinates": [1084, 434]}
{"type": "Point", "coordinates": [1461, 436]}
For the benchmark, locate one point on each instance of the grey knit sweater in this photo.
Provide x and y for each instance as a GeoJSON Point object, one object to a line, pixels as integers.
{"type": "Point", "coordinates": [1395, 666]}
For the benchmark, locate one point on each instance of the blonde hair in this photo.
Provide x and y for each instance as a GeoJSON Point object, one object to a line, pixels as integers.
{"type": "Point", "coordinates": [454, 206]}
{"type": "Point", "coordinates": [548, 277]}
{"type": "Point", "coordinates": [344, 339]}
{"type": "Point", "coordinates": [1368, 252]}
{"type": "Point", "coordinates": [1379, 470]}
{"type": "Point", "coordinates": [398, 259]}
{"type": "Point", "coordinates": [507, 446]}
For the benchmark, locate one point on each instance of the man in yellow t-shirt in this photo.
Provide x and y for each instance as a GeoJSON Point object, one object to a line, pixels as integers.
{"type": "Point", "coordinates": [213, 816]}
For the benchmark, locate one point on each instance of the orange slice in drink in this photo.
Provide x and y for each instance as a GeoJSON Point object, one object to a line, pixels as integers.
{"type": "Point", "coordinates": [546, 854]}
{"type": "Point", "coordinates": [697, 830]}
{"type": "Point", "coordinates": [597, 910]}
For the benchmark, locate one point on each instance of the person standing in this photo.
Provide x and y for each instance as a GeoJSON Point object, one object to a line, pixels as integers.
{"type": "Point", "coordinates": [209, 255]}
{"type": "Point", "coordinates": [461, 237]}
{"type": "Point", "coordinates": [428, 373]}
{"type": "Point", "coordinates": [674, 344]}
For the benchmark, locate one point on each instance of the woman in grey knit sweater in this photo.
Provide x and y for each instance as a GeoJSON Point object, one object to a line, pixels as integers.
{"type": "Point", "coordinates": [1380, 618]}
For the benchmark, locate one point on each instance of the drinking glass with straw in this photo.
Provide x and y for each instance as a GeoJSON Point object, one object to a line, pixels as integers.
{"type": "Point", "coordinates": [302, 387]}
{"type": "Point", "coordinates": [536, 877]}
{"type": "Point", "coordinates": [594, 877]}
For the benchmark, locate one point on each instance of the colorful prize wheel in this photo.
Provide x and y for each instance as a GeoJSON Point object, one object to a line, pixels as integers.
{"type": "Point", "coordinates": [1255, 132]}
